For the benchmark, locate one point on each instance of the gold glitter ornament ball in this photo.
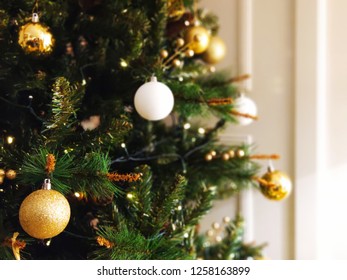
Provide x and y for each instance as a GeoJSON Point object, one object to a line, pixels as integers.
{"type": "Point", "coordinates": [215, 52]}
{"type": "Point", "coordinates": [275, 185]}
{"type": "Point", "coordinates": [35, 38]}
{"type": "Point", "coordinates": [44, 214]}
{"type": "Point", "coordinates": [197, 38]}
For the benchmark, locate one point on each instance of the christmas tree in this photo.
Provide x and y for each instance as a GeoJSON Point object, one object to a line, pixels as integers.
{"type": "Point", "coordinates": [102, 154]}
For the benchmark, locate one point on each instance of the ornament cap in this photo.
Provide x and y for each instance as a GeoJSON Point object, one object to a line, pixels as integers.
{"type": "Point", "coordinates": [35, 18]}
{"type": "Point", "coordinates": [270, 167]}
{"type": "Point", "coordinates": [154, 79]}
{"type": "Point", "coordinates": [47, 184]}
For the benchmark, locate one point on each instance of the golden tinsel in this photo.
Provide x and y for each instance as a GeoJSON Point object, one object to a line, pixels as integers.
{"type": "Point", "coordinates": [128, 177]}
{"type": "Point", "coordinates": [261, 156]}
{"type": "Point", "coordinates": [245, 115]}
{"type": "Point", "coordinates": [220, 101]}
{"type": "Point", "coordinates": [104, 242]}
{"type": "Point", "coordinates": [50, 163]}
{"type": "Point", "coordinates": [15, 244]}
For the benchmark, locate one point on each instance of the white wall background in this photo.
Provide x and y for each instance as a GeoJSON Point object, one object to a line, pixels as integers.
{"type": "Point", "coordinates": [299, 63]}
{"type": "Point", "coordinates": [273, 92]}
{"type": "Point", "coordinates": [321, 155]}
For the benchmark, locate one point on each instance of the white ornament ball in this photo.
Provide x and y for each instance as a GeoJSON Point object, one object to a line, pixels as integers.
{"type": "Point", "coordinates": [245, 105]}
{"type": "Point", "coordinates": [154, 100]}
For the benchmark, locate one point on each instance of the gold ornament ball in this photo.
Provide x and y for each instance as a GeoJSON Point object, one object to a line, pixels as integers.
{"type": "Point", "coordinates": [226, 156]}
{"type": "Point", "coordinates": [35, 38]}
{"type": "Point", "coordinates": [164, 53]}
{"type": "Point", "coordinates": [240, 153]}
{"type": "Point", "coordinates": [215, 52]}
{"type": "Point", "coordinates": [197, 38]}
{"type": "Point", "coordinates": [176, 62]}
{"type": "Point", "coordinates": [208, 157]}
{"type": "Point", "coordinates": [215, 225]}
{"type": "Point", "coordinates": [231, 153]}
{"type": "Point", "coordinates": [44, 214]}
{"type": "Point", "coordinates": [180, 42]}
{"type": "Point", "coordinates": [79, 196]}
{"type": "Point", "coordinates": [275, 185]}
{"type": "Point", "coordinates": [11, 174]}
{"type": "Point", "coordinates": [2, 172]}
{"type": "Point", "coordinates": [189, 53]}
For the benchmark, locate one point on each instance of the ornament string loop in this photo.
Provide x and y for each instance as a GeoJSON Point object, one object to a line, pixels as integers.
{"type": "Point", "coordinates": [154, 78]}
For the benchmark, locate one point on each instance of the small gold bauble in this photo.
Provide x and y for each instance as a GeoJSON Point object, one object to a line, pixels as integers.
{"type": "Point", "coordinates": [11, 174]}
{"type": "Point", "coordinates": [275, 185]}
{"type": "Point", "coordinates": [44, 214]}
{"type": "Point", "coordinates": [180, 42]}
{"type": "Point", "coordinates": [240, 153]}
{"type": "Point", "coordinates": [79, 196]}
{"type": "Point", "coordinates": [226, 156]}
{"type": "Point", "coordinates": [176, 62]}
{"type": "Point", "coordinates": [197, 38]}
{"type": "Point", "coordinates": [35, 38]}
{"type": "Point", "coordinates": [215, 52]}
{"type": "Point", "coordinates": [218, 238]}
{"type": "Point", "coordinates": [212, 69]}
{"type": "Point", "coordinates": [2, 172]}
{"type": "Point", "coordinates": [213, 153]}
{"type": "Point", "coordinates": [215, 225]}
{"type": "Point", "coordinates": [208, 157]}
{"type": "Point", "coordinates": [189, 53]}
{"type": "Point", "coordinates": [231, 153]}
{"type": "Point", "coordinates": [226, 220]}
{"type": "Point", "coordinates": [164, 53]}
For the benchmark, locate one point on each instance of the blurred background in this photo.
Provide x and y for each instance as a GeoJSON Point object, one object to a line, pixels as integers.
{"type": "Point", "coordinates": [298, 81]}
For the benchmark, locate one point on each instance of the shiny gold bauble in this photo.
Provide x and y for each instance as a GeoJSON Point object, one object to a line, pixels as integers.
{"type": "Point", "coordinates": [231, 153]}
{"type": "Point", "coordinates": [180, 42]}
{"type": "Point", "coordinates": [35, 38]}
{"type": "Point", "coordinates": [2, 172]}
{"type": "Point", "coordinates": [275, 185]}
{"type": "Point", "coordinates": [44, 214]}
{"type": "Point", "coordinates": [240, 153]}
{"type": "Point", "coordinates": [226, 156]}
{"type": "Point", "coordinates": [164, 53]}
{"type": "Point", "coordinates": [176, 63]}
{"type": "Point", "coordinates": [215, 52]}
{"type": "Point", "coordinates": [197, 38]}
{"type": "Point", "coordinates": [208, 157]}
{"type": "Point", "coordinates": [79, 196]}
{"type": "Point", "coordinates": [11, 174]}
{"type": "Point", "coordinates": [189, 53]}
